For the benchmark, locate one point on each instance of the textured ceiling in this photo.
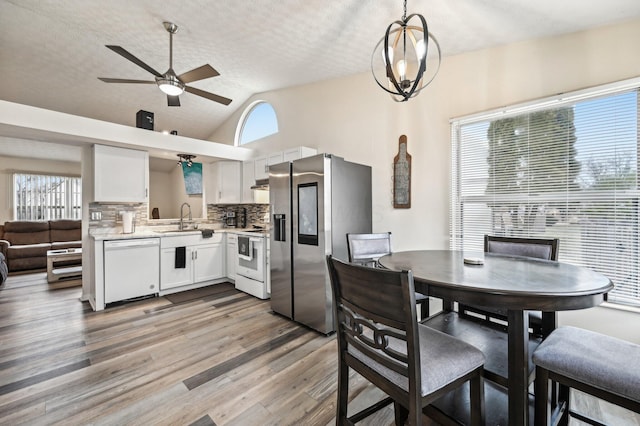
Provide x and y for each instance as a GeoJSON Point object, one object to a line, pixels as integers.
{"type": "Point", "coordinates": [52, 51]}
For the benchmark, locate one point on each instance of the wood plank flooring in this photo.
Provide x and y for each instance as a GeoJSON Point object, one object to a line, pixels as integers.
{"type": "Point", "coordinates": [213, 356]}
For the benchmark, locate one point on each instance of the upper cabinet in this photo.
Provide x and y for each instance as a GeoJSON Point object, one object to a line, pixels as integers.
{"type": "Point", "coordinates": [261, 164]}
{"type": "Point", "coordinates": [222, 182]}
{"type": "Point", "coordinates": [248, 179]}
{"type": "Point", "coordinates": [121, 175]}
{"type": "Point", "coordinates": [297, 153]}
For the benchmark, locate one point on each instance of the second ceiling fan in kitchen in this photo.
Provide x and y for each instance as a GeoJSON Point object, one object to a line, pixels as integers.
{"type": "Point", "coordinates": [169, 82]}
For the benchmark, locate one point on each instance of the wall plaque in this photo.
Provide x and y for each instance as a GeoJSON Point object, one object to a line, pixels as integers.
{"type": "Point", "coordinates": [402, 176]}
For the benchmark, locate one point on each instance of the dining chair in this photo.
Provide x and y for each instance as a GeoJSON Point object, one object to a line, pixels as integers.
{"type": "Point", "coordinates": [366, 249]}
{"type": "Point", "coordinates": [599, 365]}
{"type": "Point", "coordinates": [539, 248]}
{"type": "Point", "coordinates": [380, 338]}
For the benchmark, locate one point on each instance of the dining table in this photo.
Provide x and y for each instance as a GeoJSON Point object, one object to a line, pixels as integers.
{"type": "Point", "coordinates": [516, 284]}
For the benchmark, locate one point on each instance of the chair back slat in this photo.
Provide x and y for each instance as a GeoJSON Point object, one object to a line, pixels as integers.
{"type": "Point", "coordinates": [368, 248]}
{"type": "Point", "coordinates": [538, 248]}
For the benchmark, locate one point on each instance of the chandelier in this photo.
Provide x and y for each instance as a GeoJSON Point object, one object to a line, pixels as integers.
{"type": "Point", "coordinates": [185, 158]}
{"type": "Point", "coordinates": [403, 51]}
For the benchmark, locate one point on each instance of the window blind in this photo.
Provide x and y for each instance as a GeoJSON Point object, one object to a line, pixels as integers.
{"type": "Point", "coordinates": [560, 168]}
{"type": "Point", "coordinates": [46, 197]}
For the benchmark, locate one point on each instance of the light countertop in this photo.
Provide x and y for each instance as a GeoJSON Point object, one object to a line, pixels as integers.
{"type": "Point", "coordinates": [101, 234]}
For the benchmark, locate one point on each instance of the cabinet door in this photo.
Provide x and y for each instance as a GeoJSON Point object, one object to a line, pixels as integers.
{"type": "Point", "coordinates": [208, 262]}
{"type": "Point", "coordinates": [248, 179]}
{"type": "Point", "coordinates": [230, 182]}
{"type": "Point", "coordinates": [232, 254]}
{"type": "Point", "coordinates": [120, 174]}
{"type": "Point", "coordinates": [222, 182]}
{"type": "Point", "coordinates": [274, 158]}
{"type": "Point", "coordinates": [170, 276]}
{"type": "Point", "coordinates": [297, 153]}
{"type": "Point", "coordinates": [260, 168]}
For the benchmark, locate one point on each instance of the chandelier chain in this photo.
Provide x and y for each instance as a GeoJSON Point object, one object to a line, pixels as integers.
{"type": "Point", "coordinates": [404, 13]}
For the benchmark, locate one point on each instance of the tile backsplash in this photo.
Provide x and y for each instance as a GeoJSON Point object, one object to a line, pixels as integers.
{"type": "Point", "coordinates": [216, 214]}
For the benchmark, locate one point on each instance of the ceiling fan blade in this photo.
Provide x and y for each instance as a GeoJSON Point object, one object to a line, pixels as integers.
{"type": "Point", "coordinates": [200, 73]}
{"type": "Point", "coordinates": [123, 80]}
{"type": "Point", "coordinates": [210, 96]}
{"type": "Point", "coordinates": [173, 100]}
{"type": "Point", "coordinates": [125, 54]}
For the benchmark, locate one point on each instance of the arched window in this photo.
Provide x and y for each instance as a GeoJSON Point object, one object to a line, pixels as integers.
{"type": "Point", "coordinates": [258, 121]}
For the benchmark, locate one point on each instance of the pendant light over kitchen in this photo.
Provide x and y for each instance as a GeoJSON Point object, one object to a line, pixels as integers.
{"type": "Point", "coordinates": [185, 158]}
{"type": "Point", "coordinates": [403, 51]}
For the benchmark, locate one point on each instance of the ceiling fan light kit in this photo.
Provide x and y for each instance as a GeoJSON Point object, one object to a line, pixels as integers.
{"type": "Point", "coordinates": [403, 51]}
{"type": "Point", "coordinates": [169, 83]}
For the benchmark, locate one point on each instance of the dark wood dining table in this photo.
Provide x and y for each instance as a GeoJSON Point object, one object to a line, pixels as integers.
{"type": "Point", "coordinates": [514, 283]}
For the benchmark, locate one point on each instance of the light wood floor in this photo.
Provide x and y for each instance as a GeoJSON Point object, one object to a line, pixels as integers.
{"type": "Point", "coordinates": [212, 356]}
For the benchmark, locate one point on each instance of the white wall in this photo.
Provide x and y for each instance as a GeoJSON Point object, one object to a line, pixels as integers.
{"type": "Point", "coordinates": [9, 165]}
{"type": "Point", "coordinates": [353, 118]}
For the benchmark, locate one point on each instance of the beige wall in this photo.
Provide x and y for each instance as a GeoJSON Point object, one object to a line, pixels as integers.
{"type": "Point", "coordinates": [353, 118]}
{"type": "Point", "coordinates": [9, 165]}
{"type": "Point", "coordinates": [167, 192]}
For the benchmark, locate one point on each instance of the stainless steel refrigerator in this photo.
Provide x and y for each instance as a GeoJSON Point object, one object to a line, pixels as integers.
{"type": "Point", "coordinates": [314, 203]}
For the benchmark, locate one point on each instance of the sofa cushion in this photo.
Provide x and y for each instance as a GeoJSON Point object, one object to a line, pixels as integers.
{"type": "Point", "coordinates": [26, 251]}
{"type": "Point", "coordinates": [27, 263]}
{"type": "Point", "coordinates": [65, 230]}
{"type": "Point", "coordinates": [20, 233]}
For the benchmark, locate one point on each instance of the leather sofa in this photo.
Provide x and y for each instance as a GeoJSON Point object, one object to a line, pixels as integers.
{"type": "Point", "coordinates": [24, 244]}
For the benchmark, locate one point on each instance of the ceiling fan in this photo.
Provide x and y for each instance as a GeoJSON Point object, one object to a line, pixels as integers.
{"type": "Point", "coordinates": [170, 83]}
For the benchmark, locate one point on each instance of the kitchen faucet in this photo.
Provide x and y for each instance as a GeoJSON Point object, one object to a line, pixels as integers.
{"type": "Point", "coordinates": [182, 215]}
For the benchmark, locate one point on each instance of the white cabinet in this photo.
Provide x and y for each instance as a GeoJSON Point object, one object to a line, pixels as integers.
{"type": "Point", "coordinates": [261, 169]}
{"type": "Point", "coordinates": [232, 254]}
{"type": "Point", "coordinates": [298, 153]}
{"type": "Point", "coordinates": [204, 260]}
{"type": "Point", "coordinates": [248, 180]}
{"type": "Point", "coordinates": [120, 175]}
{"type": "Point", "coordinates": [209, 262]}
{"type": "Point", "coordinates": [261, 164]}
{"type": "Point", "coordinates": [170, 276]}
{"type": "Point", "coordinates": [222, 182]}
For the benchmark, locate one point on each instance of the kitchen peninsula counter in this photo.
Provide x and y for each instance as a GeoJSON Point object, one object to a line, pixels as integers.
{"type": "Point", "coordinates": [158, 232]}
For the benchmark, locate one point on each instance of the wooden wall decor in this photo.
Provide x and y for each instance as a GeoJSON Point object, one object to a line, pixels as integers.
{"type": "Point", "coordinates": [402, 176]}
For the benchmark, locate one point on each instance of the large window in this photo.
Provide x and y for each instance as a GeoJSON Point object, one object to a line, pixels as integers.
{"type": "Point", "coordinates": [45, 197]}
{"type": "Point", "coordinates": [258, 121]}
{"type": "Point", "coordinates": [564, 167]}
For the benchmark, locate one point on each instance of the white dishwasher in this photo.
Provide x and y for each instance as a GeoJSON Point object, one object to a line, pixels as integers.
{"type": "Point", "coordinates": [131, 268]}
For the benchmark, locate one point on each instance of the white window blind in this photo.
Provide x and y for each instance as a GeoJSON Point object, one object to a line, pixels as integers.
{"type": "Point", "coordinates": [46, 197]}
{"type": "Point", "coordinates": [559, 168]}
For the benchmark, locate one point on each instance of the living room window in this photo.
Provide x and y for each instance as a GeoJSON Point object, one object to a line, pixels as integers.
{"type": "Point", "coordinates": [259, 120]}
{"type": "Point", "coordinates": [46, 197]}
{"type": "Point", "coordinates": [564, 167]}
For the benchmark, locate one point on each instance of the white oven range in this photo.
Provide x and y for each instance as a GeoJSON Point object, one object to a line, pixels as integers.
{"type": "Point", "coordinates": [251, 265]}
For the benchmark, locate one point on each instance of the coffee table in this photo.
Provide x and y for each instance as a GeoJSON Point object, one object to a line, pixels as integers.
{"type": "Point", "coordinates": [64, 265]}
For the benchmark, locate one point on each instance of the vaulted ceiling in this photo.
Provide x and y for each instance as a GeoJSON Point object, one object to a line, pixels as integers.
{"type": "Point", "coordinates": [53, 51]}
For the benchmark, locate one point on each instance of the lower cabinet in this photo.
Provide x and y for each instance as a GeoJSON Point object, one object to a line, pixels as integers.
{"type": "Point", "coordinates": [203, 260]}
{"type": "Point", "coordinates": [208, 264]}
